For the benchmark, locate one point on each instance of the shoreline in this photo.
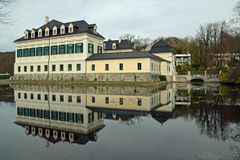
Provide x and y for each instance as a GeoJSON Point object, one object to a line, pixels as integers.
{"type": "Point", "coordinates": [86, 83]}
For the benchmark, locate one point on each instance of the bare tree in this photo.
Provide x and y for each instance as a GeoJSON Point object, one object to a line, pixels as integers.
{"type": "Point", "coordinates": [4, 13]}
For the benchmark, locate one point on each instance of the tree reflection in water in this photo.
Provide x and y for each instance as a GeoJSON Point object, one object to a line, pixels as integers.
{"type": "Point", "coordinates": [217, 115]}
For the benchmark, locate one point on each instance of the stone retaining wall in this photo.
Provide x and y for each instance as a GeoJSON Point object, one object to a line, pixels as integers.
{"type": "Point", "coordinates": [117, 77]}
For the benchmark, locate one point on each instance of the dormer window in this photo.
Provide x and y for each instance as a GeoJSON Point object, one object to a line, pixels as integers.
{"type": "Point", "coordinates": [32, 34]}
{"type": "Point", "coordinates": [47, 32]}
{"type": "Point", "coordinates": [114, 46]}
{"type": "Point", "coordinates": [40, 33]}
{"type": "Point", "coordinates": [26, 34]}
{"type": "Point", "coordinates": [62, 29]}
{"type": "Point", "coordinates": [54, 30]}
{"type": "Point", "coordinates": [70, 28]}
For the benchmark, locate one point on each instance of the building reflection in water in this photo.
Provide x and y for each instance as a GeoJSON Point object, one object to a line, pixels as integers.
{"type": "Point", "coordinates": [75, 114]}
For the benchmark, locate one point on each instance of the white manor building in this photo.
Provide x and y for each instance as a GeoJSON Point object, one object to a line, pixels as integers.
{"type": "Point", "coordinates": [74, 51]}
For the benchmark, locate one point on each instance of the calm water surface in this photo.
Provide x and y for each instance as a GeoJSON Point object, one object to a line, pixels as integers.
{"type": "Point", "coordinates": [172, 122]}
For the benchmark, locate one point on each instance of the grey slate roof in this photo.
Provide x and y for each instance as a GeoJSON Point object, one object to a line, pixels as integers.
{"type": "Point", "coordinates": [79, 27]}
{"type": "Point", "coordinates": [124, 44]}
{"type": "Point", "coordinates": [161, 47]}
{"type": "Point", "coordinates": [124, 55]}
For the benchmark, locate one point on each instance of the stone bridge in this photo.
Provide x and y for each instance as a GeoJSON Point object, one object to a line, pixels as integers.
{"type": "Point", "coordinates": [200, 77]}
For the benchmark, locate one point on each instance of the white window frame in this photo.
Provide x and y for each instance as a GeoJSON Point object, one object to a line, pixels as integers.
{"type": "Point", "coordinates": [32, 34]}
{"type": "Point", "coordinates": [47, 31]}
{"type": "Point", "coordinates": [62, 29]}
{"type": "Point", "coordinates": [54, 30]}
{"type": "Point", "coordinates": [70, 28]}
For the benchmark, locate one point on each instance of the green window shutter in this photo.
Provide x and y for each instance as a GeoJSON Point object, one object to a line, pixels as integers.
{"type": "Point", "coordinates": [54, 50]}
{"type": "Point", "coordinates": [70, 48]}
{"type": "Point", "coordinates": [39, 51]}
{"type": "Point", "coordinates": [62, 49]}
{"type": "Point", "coordinates": [99, 49]}
{"type": "Point", "coordinates": [90, 48]}
{"type": "Point", "coordinates": [32, 52]}
{"type": "Point", "coordinates": [46, 50]}
{"type": "Point", "coordinates": [19, 53]}
{"type": "Point", "coordinates": [79, 48]}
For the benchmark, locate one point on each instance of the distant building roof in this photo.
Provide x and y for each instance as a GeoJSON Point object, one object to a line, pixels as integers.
{"type": "Point", "coordinates": [161, 47]}
{"type": "Point", "coordinates": [120, 44]}
{"type": "Point", "coordinates": [124, 55]}
{"type": "Point", "coordinates": [79, 27]}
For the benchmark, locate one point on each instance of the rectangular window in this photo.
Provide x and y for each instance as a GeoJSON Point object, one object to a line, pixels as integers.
{"type": "Point", "coordinates": [46, 114]}
{"type": "Point", "coordinates": [69, 98]}
{"type": "Point", "coordinates": [39, 51]}
{"type": "Point", "coordinates": [32, 52]}
{"type": "Point", "coordinates": [54, 50]}
{"type": "Point", "coordinates": [19, 68]}
{"type": "Point", "coordinates": [61, 98]}
{"type": "Point", "coordinates": [25, 95]}
{"type": "Point", "coordinates": [19, 95]}
{"type": "Point", "coordinates": [93, 67]}
{"type": "Point", "coordinates": [62, 49]}
{"type": "Point", "coordinates": [93, 100]}
{"type": "Point", "coordinates": [79, 48]}
{"type": "Point", "coordinates": [39, 113]}
{"type": "Point", "coordinates": [70, 48]}
{"type": "Point", "coordinates": [90, 117]}
{"type": "Point", "coordinates": [139, 102]}
{"type": "Point", "coordinates": [25, 68]}
{"type": "Point", "coordinates": [106, 100]}
{"type": "Point", "coordinates": [31, 96]}
{"type": "Point", "coordinates": [62, 116]}
{"type": "Point", "coordinates": [39, 96]}
{"type": "Point", "coordinates": [54, 68]}
{"type": "Point", "coordinates": [99, 49]}
{"type": "Point", "coordinates": [46, 50]}
{"type": "Point", "coordinates": [45, 68]}
{"type": "Point", "coordinates": [78, 99]}
{"type": "Point", "coordinates": [69, 67]}
{"type": "Point", "coordinates": [53, 97]}
{"type": "Point", "coordinates": [31, 68]}
{"type": "Point", "coordinates": [54, 115]}
{"type": "Point", "coordinates": [79, 118]}
{"type": "Point", "coordinates": [121, 101]}
{"type": "Point", "coordinates": [70, 117]}
{"type": "Point", "coordinates": [139, 66]}
{"type": "Point", "coordinates": [46, 97]}
{"type": "Point", "coordinates": [26, 52]}
{"type": "Point", "coordinates": [39, 68]}
{"type": "Point", "coordinates": [78, 67]}
{"type": "Point", "coordinates": [61, 67]}
{"type": "Point", "coordinates": [106, 67]}
{"type": "Point", "coordinates": [19, 53]}
{"type": "Point", "coordinates": [90, 48]}
{"type": "Point", "coordinates": [121, 66]}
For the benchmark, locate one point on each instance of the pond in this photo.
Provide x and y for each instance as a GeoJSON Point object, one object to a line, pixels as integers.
{"type": "Point", "coordinates": [177, 121]}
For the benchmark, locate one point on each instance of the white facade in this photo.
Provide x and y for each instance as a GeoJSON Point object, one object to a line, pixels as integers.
{"type": "Point", "coordinates": [183, 59]}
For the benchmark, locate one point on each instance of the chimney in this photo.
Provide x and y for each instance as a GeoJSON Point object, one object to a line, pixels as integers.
{"type": "Point", "coordinates": [46, 19]}
{"type": "Point", "coordinates": [119, 40]}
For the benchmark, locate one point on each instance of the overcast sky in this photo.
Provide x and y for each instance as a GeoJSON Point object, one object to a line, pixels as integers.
{"type": "Point", "coordinates": [146, 18]}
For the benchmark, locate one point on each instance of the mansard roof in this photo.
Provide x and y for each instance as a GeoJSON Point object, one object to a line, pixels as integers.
{"type": "Point", "coordinates": [161, 47]}
{"type": "Point", "coordinates": [79, 27]}
{"type": "Point", "coordinates": [124, 55]}
{"type": "Point", "coordinates": [120, 44]}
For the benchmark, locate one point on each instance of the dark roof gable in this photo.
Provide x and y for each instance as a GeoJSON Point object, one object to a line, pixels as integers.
{"type": "Point", "coordinates": [79, 27]}
{"type": "Point", "coordinates": [120, 44]}
{"type": "Point", "coordinates": [160, 47]}
{"type": "Point", "coordinates": [124, 55]}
